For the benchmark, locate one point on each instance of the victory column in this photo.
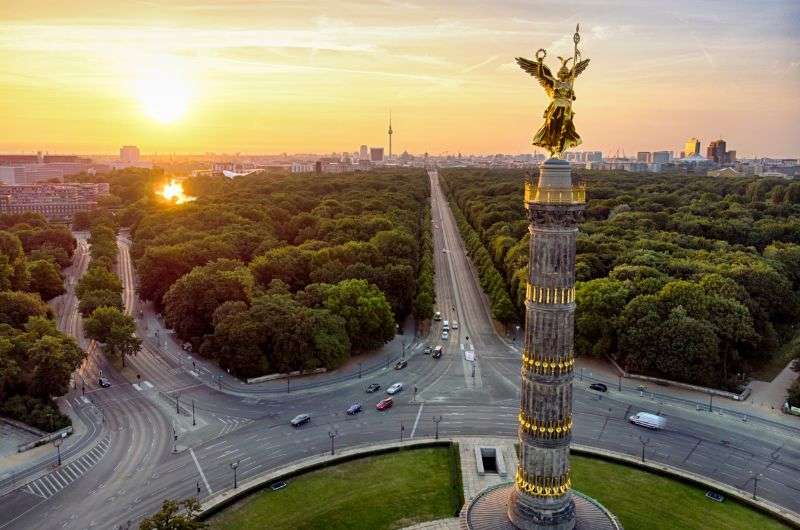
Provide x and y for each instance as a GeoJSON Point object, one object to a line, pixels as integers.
{"type": "Point", "coordinates": [541, 497]}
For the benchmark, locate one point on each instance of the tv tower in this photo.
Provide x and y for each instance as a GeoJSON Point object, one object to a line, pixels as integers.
{"type": "Point", "coordinates": [390, 135]}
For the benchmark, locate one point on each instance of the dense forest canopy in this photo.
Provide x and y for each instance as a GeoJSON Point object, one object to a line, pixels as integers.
{"type": "Point", "coordinates": [690, 278]}
{"type": "Point", "coordinates": [36, 360]}
{"type": "Point", "coordinates": [273, 272]}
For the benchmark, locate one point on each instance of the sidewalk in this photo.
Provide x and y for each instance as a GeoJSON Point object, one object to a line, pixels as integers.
{"type": "Point", "coordinates": [589, 369]}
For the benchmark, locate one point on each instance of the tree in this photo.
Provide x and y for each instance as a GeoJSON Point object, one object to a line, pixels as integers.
{"type": "Point", "coordinates": [115, 330]}
{"type": "Point", "coordinates": [175, 516]}
{"type": "Point", "coordinates": [190, 303]}
{"type": "Point", "coordinates": [98, 279]}
{"type": "Point", "coordinates": [17, 307]}
{"type": "Point", "coordinates": [45, 279]}
{"type": "Point", "coordinates": [367, 315]}
{"type": "Point", "coordinates": [99, 298]}
{"type": "Point", "coordinates": [599, 304]}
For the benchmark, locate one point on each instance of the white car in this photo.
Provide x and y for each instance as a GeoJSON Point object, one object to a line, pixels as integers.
{"type": "Point", "coordinates": [455, 325]}
{"type": "Point", "coordinates": [395, 388]}
{"type": "Point", "coordinates": [445, 335]}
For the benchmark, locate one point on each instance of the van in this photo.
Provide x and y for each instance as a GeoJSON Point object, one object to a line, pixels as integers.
{"type": "Point", "coordinates": [446, 325]}
{"type": "Point", "coordinates": [437, 352]}
{"type": "Point", "coordinates": [651, 421]}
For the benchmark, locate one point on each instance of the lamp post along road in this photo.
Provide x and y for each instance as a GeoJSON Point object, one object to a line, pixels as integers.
{"type": "Point", "coordinates": [57, 442]}
{"type": "Point", "coordinates": [235, 467]}
{"type": "Point", "coordinates": [436, 422]}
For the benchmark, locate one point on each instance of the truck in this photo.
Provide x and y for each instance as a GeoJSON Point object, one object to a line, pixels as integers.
{"type": "Point", "coordinates": [651, 421]}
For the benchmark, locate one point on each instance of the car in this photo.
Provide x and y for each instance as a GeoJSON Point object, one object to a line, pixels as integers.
{"type": "Point", "coordinates": [437, 316]}
{"type": "Point", "coordinates": [427, 350]}
{"type": "Point", "coordinates": [600, 387]}
{"type": "Point", "coordinates": [651, 421]}
{"type": "Point", "coordinates": [354, 409]}
{"type": "Point", "coordinates": [373, 387]}
{"type": "Point", "coordinates": [399, 365]}
{"type": "Point", "coordinates": [187, 346]}
{"type": "Point", "coordinates": [446, 325]}
{"type": "Point", "coordinates": [437, 353]}
{"type": "Point", "coordinates": [455, 325]}
{"type": "Point", "coordinates": [395, 388]}
{"type": "Point", "coordinates": [385, 404]}
{"type": "Point", "coordinates": [300, 419]}
{"type": "Point", "coordinates": [103, 382]}
{"type": "Point", "coordinates": [445, 335]}
{"type": "Point", "coordinates": [275, 486]}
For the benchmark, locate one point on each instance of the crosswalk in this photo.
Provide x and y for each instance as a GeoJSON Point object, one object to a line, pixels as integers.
{"type": "Point", "coordinates": [50, 484]}
{"type": "Point", "coordinates": [231, 423]}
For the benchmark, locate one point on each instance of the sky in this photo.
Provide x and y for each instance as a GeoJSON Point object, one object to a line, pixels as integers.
{"type": "Point", "coordinates": [191, 76]}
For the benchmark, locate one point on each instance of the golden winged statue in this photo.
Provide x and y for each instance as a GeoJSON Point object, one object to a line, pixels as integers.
{"type": "Point", "coordinates": [558, 132]}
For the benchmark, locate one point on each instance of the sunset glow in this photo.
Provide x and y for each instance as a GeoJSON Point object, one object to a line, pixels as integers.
{"type": "Point", "coordinates": [264, 77]}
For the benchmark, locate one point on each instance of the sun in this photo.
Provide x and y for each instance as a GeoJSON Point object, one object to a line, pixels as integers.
{"type": "Point", "coordinates": [164, 98]}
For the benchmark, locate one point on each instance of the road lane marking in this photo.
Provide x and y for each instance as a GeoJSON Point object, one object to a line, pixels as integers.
{"type": "Point", "coordinates": [202, 475]}
{"type": "Point", "coordinates": [419, 413]}
{"type": "Point", "coordinates": [148, 384]}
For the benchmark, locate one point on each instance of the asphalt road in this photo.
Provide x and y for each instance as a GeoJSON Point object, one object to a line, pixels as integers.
{"type": "Point", "coordinates": [251, 425]}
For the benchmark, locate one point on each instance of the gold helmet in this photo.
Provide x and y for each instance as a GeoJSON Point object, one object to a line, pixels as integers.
{"type": "Point", "coordinates": [564, 70]}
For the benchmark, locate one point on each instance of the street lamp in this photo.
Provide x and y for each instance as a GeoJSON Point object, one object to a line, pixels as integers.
{"type": "Point", "coordinates": [332, 435]}
{"type": "Point", "coordinates": [57, 442]}
{"type": "Point", "coordinates": [436, 421]}
{"type": "Point", "coordinates": [402, 429]}
{"type": "Point", "coordinates": [755, 476]}
{"type": "Point", "coordinates": [644, 442]}
{"type": "Point", "coordinates": [234, 467]}
{"type": "Point", "coordinates": [194, 423]}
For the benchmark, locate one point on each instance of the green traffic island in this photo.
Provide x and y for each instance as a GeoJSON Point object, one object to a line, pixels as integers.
{"type": "Point", "coordinates": [394, 489]}
{"type": "Point", "coordinates": [645, 500]}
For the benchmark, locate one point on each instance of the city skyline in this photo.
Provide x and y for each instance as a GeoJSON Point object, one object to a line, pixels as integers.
{"type": "Point", "coordinates": [189, 77]}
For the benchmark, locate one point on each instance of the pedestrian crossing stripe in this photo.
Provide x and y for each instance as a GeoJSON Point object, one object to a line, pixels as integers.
{"type": "Point", "coordinates": [50, 484]}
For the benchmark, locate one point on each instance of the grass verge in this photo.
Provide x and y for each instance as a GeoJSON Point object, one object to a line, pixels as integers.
{"type": "Point", "coordinates": [643, 500]}
{"type": "Point", "coordinates": [387, 491]}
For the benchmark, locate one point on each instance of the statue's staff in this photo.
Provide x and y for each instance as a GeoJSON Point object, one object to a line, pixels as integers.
{"type": "Point", "coordinates": [576, 38]}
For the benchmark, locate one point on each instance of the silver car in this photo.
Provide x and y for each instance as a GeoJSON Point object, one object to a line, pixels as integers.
{"type": "Point", "coordinates": [395, 388]}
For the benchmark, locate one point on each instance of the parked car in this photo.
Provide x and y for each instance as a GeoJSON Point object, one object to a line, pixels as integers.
{"type": "Point", "coordinates": [187, 346]}
{"type": "Point", "coordinates": [399, 365]}
{"type": "Point", "coordinates": [385, 404]}
{"type": "Point", "coordinates": [437, 316]}
{"type": "Point", "coordinates": [446, 325]}
{"type": "Point", "coordinates": [373, 387]}
{"type": "Point", "coordinates": [103, 382]}
{"type": "Point", "coordinates": [395, 388]}
{"type": "Point", "coordinates": [437, 352]}
{"type": "Point", "coordinates": [275, 486]}
{"type": "Point", "coordinates": [300, 419]}
{"type": "Point", "coordinates": [427, 350]}
{"type": "Point", "coordinates": [455, 325]}
{"type": "Point", "coordinates": [354, 409]}
{"type": "Point", "coordinates": [651, 421]}
{"type": "Point", "coordinates": [600, 387]}
{"type": "Point", "coordinates": [445, 334]}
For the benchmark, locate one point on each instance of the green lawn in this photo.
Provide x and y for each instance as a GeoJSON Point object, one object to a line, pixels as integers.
{"type": "Point", "coordinates": [392, 490]}
{"type": "Point", "coordinates": [652, 502]}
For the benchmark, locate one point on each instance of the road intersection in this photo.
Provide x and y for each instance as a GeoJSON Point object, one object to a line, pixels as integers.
{"type": "Point", "coordinates": [153, 399]}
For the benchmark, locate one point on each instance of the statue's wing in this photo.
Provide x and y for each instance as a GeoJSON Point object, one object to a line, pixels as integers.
{"type": "Point", "coordinates": [544, 76]}
{"type": "Point", "coordinates": [580, 67]}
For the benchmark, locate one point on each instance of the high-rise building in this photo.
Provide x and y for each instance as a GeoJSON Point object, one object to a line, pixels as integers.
{"type": "Point", "coordinates": [644, 156]}
{"type": "Point", "coordinates": [717, 151]}
{"type": "Point", "coordinates": [363, 152]}
{"type": "Point", "coordinates": [129, 153]}
{"type": "Point", "coordinates": [376, 154]}
{"type": "Point", "coordinates": [730, 156]}
{"type": "Point", "coordinates": [661, 157]}
{"type": "Point", "coordinates": [692, 147]}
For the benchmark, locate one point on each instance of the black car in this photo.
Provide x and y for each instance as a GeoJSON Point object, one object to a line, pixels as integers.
{"type": "Point", "coordinates": [399, 365]}
{"type": "Point", "coordinates": [374, 387]}
{"type": "Point", "coordinates": [275, 486]}
{"type": "Point", "coordinates": [600, 387]}
{"type": "Point", "coordinates": [103, 382]}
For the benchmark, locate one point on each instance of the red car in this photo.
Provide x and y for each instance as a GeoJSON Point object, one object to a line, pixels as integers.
{"type": "Point", "coordinates": [384, 404]}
